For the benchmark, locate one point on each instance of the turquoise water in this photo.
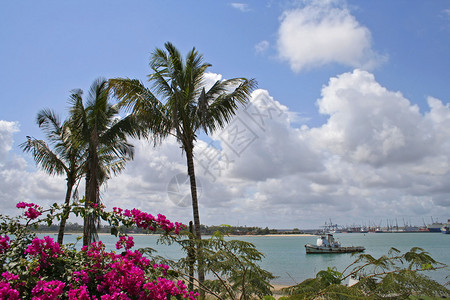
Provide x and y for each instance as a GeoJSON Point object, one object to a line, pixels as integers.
{"type": "Point", "coordinates": [285, 256]}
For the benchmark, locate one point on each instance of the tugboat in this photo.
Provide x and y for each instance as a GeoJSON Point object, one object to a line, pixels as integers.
{"type": "Point", "coordinates": [327, 244]}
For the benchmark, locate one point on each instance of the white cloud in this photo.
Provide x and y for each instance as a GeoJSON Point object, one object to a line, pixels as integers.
{"type": "Point", "coordinates": [324, 32]}
{"type": "Point", "coordinates": [210, 79]}
{"type": "Point", "coordinates": [243, 7]}
{"type": "Point", "coordinates": [7, 129]}
{"type": "Point", "coordinates": [376, 157]}
{"type": "Point", "coordinates": [262, 46]}
{"type": "Point", "coordinates": [369, 124]}
{"type": "Point", "coordinates": [17, 184]}
{"type": "Point", "coordinates": [446, 13]}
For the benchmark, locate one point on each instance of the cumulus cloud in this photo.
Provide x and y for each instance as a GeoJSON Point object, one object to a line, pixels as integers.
{"type": "Point", "coordinates": [369, 124]}
{"type": "Point", "coordinates": [324, 32]}
{"type": "Point", "coordinates": [381, 147]}
{"type": "Point", "coordinates": [16, 182]}
{"type": "Point", "coordinates": [7, 129]}
{"type": "Point", "coordinates": [377, 156]}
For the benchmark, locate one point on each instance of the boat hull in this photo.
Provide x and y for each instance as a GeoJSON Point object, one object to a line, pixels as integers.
{"type": "Point", "coordinates": [312, 249]}
{"type": "Point", "coordinates": [435, 227]}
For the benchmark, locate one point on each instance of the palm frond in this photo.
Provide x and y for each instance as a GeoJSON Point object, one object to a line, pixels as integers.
{"type": "Point", "coordinates": [44, 156]}
{"type": "Point", "coordinates": [50, 123]}
{"type": "Point", "coordinates": [217, 107]}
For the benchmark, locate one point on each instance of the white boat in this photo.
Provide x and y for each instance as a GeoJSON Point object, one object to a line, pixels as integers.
{"type": "Point", "coordinates": [327, 244]}
{"type": "Point", "coordinates": [446, 229]}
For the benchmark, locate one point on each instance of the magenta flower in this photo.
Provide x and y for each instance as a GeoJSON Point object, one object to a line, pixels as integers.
{"type": "Point", "coordinates": [123, 241]}
{"type": "Point", "coordinates": [4, 243]}
{"type": "Point", "coordinates": [33, 210]}
{"type": "Point", "coordinates": [8, 292]}
{"type": "Point", "coordinates": [10, 277]}
{"type": "Point", "coordinates": [102, 276]}
{"type": "Point", "coordinates": [50, 290]}
{"type": "Point", "coordinates": [44, 249]}
{"type": "Point", "coordinates": [80, 293]}
{"type": "Point", "coordinates": [149, 222]}
{"type": "Point", "coordinates": [81, 276]}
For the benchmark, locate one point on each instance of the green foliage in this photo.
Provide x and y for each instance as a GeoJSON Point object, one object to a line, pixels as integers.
{"type": "Point", "coordinates": [231, 265]}
{"type": "Point", "coordinates": [330, 276]}
{"type": "Point", "coordinates": [239, 230]}
{"type": "Point", "coordinates": [392, 276]}
{"type": "Point", "coordinates": [29, 262]}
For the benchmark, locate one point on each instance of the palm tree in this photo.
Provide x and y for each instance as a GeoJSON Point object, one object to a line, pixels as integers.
{"type": "Point", "coordinates": [103, 136]}
{"type": "Point", "coordinates": [63, 159]}
{"type": "Point", "coordinates": [184, 107]}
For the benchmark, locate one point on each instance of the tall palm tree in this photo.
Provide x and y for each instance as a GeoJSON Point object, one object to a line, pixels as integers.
{"type": "Point", "coordinates": [63, 159]}
{"type": "Point", "coordinates": [184, 107]}
{"type": "Point", "coordinates": [100, 131]}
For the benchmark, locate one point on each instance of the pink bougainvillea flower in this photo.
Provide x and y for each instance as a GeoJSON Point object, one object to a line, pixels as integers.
{"type": "Point", "coordinates": [8, 292]}
{"type": "Point", "coordinates": [123, 241]}
{"type": "Point", "coordinates": [33, 210]}
{"type": "Point", "coordinates": [48, 290]}
{"type": "Point", "coordinates": [4, 243]}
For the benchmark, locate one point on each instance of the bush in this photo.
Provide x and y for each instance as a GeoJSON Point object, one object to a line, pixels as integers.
{"type": "Point", "coordinates": [41, 269]}
{"type": "Point", "coordinates": [393, 276]}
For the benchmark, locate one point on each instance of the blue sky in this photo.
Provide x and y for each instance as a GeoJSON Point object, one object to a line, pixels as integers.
{"type": "Point", "coordinates": [313, 59]}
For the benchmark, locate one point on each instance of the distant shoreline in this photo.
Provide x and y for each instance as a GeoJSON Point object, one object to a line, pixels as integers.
{"type": "Point", "coordinates": [231, 235]}
{"type": "Point", "coordinates": [281, 234]}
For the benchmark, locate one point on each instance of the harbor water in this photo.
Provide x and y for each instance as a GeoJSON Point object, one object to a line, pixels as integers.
{"type": "Point", "coordinates": [286, 258]}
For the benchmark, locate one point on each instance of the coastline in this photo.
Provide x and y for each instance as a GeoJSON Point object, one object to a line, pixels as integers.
{"type": "Point", "coordinates": [277, 290]}
{"type": "Point", "coordinates": [230, 235]}
{"type": "Point", "coordinates": [285, 234]}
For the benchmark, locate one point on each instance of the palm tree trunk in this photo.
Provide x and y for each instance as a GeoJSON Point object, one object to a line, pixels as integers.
{"type": "Point", "coordinates": [92, 195]}
{"type": "Point", "coordinates": [66, 211]}
{"type": "Point", "coordinates": [191, 256]}
{"type": "Point", "coordinates": [90, 219]}
{"type": "Point", "coordinates": [86, 234]}
{"type": "Point", "coordinates": [191, 173]}
{"type": "Point", "coordinates": [198, 235]}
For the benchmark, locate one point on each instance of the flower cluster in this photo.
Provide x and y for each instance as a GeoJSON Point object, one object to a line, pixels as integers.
{"type": "Point", "coordinates": [48, 290]}
{"type": "Point", "coordinates": [124, 276]}
{"type": "Point", "coordinates": [102, 275]}
{"type": "Point", "coordinates": [7, 291]}
{"type": "Point", "coordinates": [9, 286]}
{"type": "Point", "coordinates": [50, 271]}
{"type": "Point", "coordinates": [123, 241]}
{"type": "Point", "coordinates": [4, 243]}
{"type": "Point", "coordinates": [43, 249]}
{"type": "Point", "coordinates": [33, 210]}
{"type": "Point", "coordinates": [149, 222]}
{"type": "Point", "coordinates": [158, 288]}
{"type": "Point", "coordinates": [80, 293]}
{"type": "Point", "coordinates": [162, 267]}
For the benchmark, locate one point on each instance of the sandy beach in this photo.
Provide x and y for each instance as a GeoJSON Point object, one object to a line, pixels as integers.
{"type": "Point", "coordinates": [277, 293]}
{"type": "Point", "coordinates": [294, 234]}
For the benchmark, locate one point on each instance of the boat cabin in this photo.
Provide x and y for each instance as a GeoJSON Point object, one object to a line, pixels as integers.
{"type": "Point", "coordinates": [327, 241]}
